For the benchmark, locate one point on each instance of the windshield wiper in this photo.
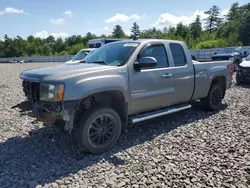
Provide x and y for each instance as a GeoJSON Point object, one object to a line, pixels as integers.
{"type": "Point", "coordinates": [99, 62]}
{"type": "Point", "coordinates": [82, 61]}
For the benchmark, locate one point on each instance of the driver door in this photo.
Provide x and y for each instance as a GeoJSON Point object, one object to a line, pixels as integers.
{"type": "Point", "coordinates": [152, 88]}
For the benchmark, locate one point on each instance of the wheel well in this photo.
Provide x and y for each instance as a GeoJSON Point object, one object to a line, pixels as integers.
{"type": "Point", "coordinates": [113, 99]}
{"type": "Point", "coordinates": [221, 80]}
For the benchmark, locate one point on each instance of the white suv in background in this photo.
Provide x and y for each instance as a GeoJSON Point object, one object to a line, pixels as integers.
{"type": "Point", "coordinates": [80, 55]}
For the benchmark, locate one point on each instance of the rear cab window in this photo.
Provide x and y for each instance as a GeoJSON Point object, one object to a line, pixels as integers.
{"type": "Point", "coordinates": [178, 54]}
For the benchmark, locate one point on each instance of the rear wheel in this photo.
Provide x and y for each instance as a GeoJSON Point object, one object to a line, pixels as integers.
{"type": "Point", "coordinates": [214, 99]}
{"type": "Point", "coordinates": [98, 129]}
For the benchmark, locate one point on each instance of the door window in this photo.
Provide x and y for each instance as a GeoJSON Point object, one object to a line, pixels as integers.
{"type": "Point", "coordinates": [158, 52]}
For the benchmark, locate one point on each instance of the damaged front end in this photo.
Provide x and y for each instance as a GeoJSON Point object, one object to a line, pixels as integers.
{"type": "Point", "coordinates": [48, 105]}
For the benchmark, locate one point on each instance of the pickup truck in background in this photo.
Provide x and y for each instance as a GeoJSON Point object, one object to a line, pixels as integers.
{"type": "Point", "coordinates": [122, 83]}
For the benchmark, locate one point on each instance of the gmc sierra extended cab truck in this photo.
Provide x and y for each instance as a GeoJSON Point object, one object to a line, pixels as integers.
{"type": "Point", "coordinates": [122, 83]}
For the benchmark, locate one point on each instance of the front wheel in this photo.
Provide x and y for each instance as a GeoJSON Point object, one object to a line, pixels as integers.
{"type": "Point", "coordinates": [214, 98]}
{"type": "Point", "coordinates": [98, 129]}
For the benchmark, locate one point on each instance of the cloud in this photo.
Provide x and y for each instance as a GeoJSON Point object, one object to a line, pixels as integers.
{"type": "Point", "coordinates": [59, 21]}
{"type": "Point", "coordinates": [168, 19]}
{"type": "Point", "coordinates": [225, 12]}
{"type": "Point", "coordinates": [135, 17]}
{"type": "Point", "coordinates": [122, 18]}
{"type": "Point", "coordinates": [106, 28]}
{"type": "Point", "coordinates": [68, 13]}
{"type": "Point", "coordinates": [45, 34]}
{"type": "Point", "coordinates": [11, 10]}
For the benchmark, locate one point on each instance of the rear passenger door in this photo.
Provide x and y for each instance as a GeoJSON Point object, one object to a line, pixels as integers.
{"type": "Point", "coordinates": [183, 73]}
{"type": "Point", "coordinates": [152, 88]}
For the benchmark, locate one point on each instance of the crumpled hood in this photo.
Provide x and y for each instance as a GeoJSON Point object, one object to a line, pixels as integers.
{"type": "Point", "coordinates": [245, 64]}
{"type": "Point", "coordinates": [64, 71]}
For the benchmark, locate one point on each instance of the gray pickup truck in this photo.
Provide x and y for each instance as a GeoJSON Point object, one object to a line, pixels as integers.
{"type": "Point", "coordinates": [123, 83]}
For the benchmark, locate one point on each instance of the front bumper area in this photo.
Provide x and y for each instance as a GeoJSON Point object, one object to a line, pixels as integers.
{"type": "Point", "coordinates": [48, 117]}
{"type": "Point", "coordinates": [244, 76]}
{"type": "Point", "coordinates": [55, 113]}
{"type": "Point", "coordinates": [50, 113]}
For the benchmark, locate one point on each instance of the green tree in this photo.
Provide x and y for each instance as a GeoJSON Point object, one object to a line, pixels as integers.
{"type": "Point", "coordinates": [151, 33]}
{"type": "Point", "coordinates": [213, 20]}
{"type": "Point", "coordinates": [9, 47]}
{"type": "Point", "coordinates": [135, 30]}
{"type": "Point", "coordinates": [171, 32]}
{"type": "Point", "coordinates": [196, 28]}
{"type": "Point", "coordinates": [234, 12]}
{"type": "Point", "coordinates": [31, 49]}
{"type": "Point", "coordinates": [165, 29]}
{"type": "Point", "coordinates": [90, 36]}
{"type": "Point", "coordinates": [244, 31]}
{"type": "Point", "coordinates": [118, 32]}
{"type": "Point", "coordinates": [46, 50]}
{"type": "Point", "coordinates": [181, 30]}
{"type": "Point", "coordinates": [1, 49]}
{"type": "Point", "coordinates": [76, 48]}
{"type": "Point", "coordinates": [31, 39]}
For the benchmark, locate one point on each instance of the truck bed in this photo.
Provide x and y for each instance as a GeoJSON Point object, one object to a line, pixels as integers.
{"type": "Point", "coordinates": [203, 75]}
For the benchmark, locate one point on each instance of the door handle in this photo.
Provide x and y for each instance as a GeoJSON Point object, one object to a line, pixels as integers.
{"type": "Point", "coordinates": [167, 75]}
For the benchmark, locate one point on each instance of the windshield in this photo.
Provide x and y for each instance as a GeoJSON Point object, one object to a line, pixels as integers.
{"type": "Point", "coordinates": [81, 55]}
{"type": "Point", "coordinates": [248, 58]}
{"type": "Point", "coordinates": [114, 54]}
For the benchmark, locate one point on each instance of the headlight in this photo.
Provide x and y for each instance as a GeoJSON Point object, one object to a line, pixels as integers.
{"type": "Point", "coordinates": [51, 92]}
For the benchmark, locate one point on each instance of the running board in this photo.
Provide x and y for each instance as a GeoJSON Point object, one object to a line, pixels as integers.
{"type": "Point", "coordinates": [159, 113]}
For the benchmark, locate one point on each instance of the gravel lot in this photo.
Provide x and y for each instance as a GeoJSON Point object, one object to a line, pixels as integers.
{"type": "Point", "coordinates": [193, 148]}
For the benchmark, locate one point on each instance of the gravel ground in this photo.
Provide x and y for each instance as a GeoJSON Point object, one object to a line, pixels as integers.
{"type": "Point", "coordinates": [193, 148]}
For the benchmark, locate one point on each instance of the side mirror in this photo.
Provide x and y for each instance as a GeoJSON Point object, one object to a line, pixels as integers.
{"type": "Point", "coordinates": [145, 62]}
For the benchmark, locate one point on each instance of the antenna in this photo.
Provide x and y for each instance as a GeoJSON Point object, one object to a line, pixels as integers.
{"type": "Point", "coordinates": [136, 35]}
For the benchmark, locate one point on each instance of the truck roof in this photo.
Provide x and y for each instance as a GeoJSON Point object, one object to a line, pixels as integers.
{"type": "Point", "coordinates": [149, 40]}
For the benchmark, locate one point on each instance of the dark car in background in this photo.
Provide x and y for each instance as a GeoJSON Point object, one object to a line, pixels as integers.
{"type": "Point", "coordinates": [243, 73]}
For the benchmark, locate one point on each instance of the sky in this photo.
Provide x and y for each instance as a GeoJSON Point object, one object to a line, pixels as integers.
{"type": "Point", "coordinates": [62, 18]}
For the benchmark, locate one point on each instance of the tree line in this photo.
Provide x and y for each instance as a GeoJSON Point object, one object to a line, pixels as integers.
{"type": "Point", "coordinates": [232, 29]}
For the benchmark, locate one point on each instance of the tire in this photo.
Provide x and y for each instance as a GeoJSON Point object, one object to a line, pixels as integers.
{"type": "Point", "coordinates": [85, 128]}
{"type": "Point", "coordinates": [214, 98]}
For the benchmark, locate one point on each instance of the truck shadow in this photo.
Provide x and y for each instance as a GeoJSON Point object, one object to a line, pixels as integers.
{"type": "Point", "coordinates": [49, 154]}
